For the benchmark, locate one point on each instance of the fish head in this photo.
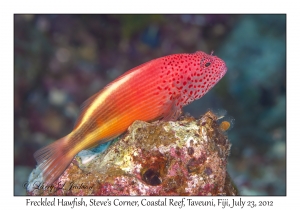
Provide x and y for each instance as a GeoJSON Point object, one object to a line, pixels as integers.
{"type": "Point", "coordinates": [212, 67]}
{"type": "Point", "coordinates": [205, 72]}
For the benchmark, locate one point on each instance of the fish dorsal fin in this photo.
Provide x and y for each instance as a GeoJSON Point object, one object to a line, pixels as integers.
{"type": "Point", "coordinates": [84, 106]}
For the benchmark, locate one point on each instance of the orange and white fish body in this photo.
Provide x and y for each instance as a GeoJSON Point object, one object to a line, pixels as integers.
{"type": "Point", "coordinates": [154, 90]}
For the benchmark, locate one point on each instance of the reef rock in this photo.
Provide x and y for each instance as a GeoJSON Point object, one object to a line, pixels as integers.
{"type": "Point", "coordinates": [186, 157]}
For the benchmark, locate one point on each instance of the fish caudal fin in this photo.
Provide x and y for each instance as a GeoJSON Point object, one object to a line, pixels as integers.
{"type": "Point", "coordinates": [54, 159]}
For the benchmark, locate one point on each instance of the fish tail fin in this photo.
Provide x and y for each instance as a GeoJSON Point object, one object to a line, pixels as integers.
{"type": "Point", "coordinates": [54, 159]}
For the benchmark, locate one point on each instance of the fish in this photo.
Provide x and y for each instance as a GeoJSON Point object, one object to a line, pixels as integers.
{"type": "Point", "coordinates": [155, 90]}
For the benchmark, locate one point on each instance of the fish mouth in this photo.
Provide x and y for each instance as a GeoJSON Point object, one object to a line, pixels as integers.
{"type": "Point", "coordinates": [224, 71]}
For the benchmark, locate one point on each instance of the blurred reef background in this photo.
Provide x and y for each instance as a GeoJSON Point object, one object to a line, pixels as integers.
{"type": "Point", "coordinates": [61, 60]}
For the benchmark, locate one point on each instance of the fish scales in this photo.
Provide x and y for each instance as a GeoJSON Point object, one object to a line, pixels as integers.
{"type": "Point", "coordinates": [154, 90]}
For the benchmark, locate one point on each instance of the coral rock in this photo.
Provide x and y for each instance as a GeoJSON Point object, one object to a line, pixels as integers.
{"type": "Point", "coordinates": [186, 157]}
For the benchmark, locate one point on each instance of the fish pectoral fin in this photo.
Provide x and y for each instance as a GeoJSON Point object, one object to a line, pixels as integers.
{"type": "Point", "coordinates": [171, 110]}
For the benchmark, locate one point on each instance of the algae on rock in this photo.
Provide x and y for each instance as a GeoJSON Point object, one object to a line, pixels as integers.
{"type": "Point", "coordinates": [186, 157]}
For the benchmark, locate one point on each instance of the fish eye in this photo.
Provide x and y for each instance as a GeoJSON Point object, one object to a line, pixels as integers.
{"type": "Point", "coordinates": [207, 64]}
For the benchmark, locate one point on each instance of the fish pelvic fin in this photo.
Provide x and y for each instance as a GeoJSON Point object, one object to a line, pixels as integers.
{"type": "Point", "coordinates": [171, 110]}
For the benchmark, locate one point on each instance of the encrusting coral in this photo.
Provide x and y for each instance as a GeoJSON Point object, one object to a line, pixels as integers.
{"type": "Point", "coordinates": [185, 157]}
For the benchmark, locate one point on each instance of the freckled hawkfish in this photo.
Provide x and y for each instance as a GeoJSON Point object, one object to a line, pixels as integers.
{"type": "Point", "coordinates": [155, 90]}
